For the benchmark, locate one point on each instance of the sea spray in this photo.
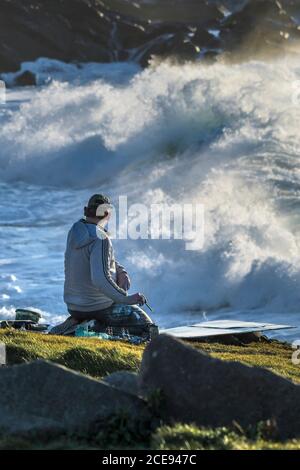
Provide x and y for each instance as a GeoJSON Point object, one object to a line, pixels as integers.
{"type": "Point", "coordinates": [224, 136]}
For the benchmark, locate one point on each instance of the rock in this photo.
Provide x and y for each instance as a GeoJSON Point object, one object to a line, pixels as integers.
{"type": "Point", "coordinates": [210, 392]}
{"type": "Point", "coordinates": [69, 30]}
{"type": "Point", "coordinates": [175, 46]}
{"type": "Point", "coordinates": [48, 398]}
{"type": "Point", "coordinates": [123, 380]}
{"type": "Point", "coordinates": [231, 5]}
{"type": "Point", "coordinates": [130, 35]}
{"type": "Point", "coordinates": [90, 31]}
{"type": "Point", "coordinates": [26, 78]}
{"type": "Point", "coordinates": [260, 28]}
{"type": "Point", "coordinates": [204, 39]}
{"type": "Point", "coordinates": [185, 11]}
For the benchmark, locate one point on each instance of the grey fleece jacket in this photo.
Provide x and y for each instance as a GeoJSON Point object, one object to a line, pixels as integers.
{"type": "Point", "coordinates": [90, 270]}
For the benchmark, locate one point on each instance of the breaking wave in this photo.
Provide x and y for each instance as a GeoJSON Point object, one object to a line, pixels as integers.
{"type": "Point", "coordinates": [222, 135]}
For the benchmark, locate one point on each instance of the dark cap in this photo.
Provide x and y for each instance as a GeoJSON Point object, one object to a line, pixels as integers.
{"type": "Point", "coordinates": [94, 202]}
{"type": "Point", "coordinates": [98, 199]}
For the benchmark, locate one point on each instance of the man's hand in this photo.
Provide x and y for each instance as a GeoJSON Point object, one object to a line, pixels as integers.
{"type": "Point", "coordinates": [123, 280]}
{"type": "Point", "coordinates": [138, 299]}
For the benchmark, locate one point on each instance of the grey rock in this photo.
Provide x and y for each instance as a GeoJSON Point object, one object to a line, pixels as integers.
{"type": "Point", "coordinates": [26, 78]}
{"type": "Point", "coordinates": [210, 392]}
{"type": "Point", "coordinates": [89, 30]}
{"type": "Point", "coordinates": [70, 30]}
{"type": "Point", "coordinates": [259, 29]}
{"type": "Point", "coordinates": [48, 398]}
{"type": "Point", "coordinates": [123, 380]}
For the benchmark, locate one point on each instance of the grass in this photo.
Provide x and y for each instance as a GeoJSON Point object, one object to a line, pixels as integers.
{"type": "Point", "coordinates": [186, 437]}
{"type": "Point", "coordinates": [274, 356]}
{"type": "Point", "coordinates": [182, 437]}
{"type": "Point", "coordinates": [89, 356]}
{"type": "Point", "coordinates": [98, 358]}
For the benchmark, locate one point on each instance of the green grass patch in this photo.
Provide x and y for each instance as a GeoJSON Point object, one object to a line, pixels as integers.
{"type": "Point", "coordinates": [121, 434]}
{"type": "Point", "coordinates": [274, 356]}
{"type": "Point", "coordinates": [98, 358]}
{"type": "Point", "coordinates": [90, 356]}
{"type": "Point", "coordinates": [187, 437]}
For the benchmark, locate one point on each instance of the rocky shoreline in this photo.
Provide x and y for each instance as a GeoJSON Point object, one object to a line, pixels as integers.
{"type": "Point", "coordinates": [45, 399]}
{"type": "Point", "coordinates": [92, 31]}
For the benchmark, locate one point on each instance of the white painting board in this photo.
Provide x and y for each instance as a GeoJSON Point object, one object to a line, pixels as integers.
{"type": "Point", "coordinates": [221, 328]}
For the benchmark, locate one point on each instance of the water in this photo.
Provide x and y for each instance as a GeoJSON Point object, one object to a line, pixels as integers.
{"type": "Point", "coordinates": [223, 135]}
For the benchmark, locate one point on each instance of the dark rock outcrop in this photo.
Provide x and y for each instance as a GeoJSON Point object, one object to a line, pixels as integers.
{"type": "Point", "coordinates": [210, 392]}
{"type": "Point", "coordinates": [262, 27]}
{"type": "Point", "coordinates": [48, 398]}
{"type": "Point", "coordinates": [77, 30]}
{"type": "Point", "coordinates": [123, 380]}
{"type": "Point", "coordinates": [103, 31]}
{"type": "Point", "coordinates": [26, 78]}
{"type": "Point", "coordinates": [61, 29]}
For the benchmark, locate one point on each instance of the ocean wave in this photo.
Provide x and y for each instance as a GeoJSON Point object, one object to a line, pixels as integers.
{"type": "Point", "coordinates": [224, 136]}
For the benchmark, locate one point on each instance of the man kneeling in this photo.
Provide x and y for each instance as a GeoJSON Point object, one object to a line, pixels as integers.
{"type": "Point", "coordinates": [96, 284]}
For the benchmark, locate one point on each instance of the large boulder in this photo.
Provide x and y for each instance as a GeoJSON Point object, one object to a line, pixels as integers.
{"type": "Point", "coordinates": [210, 392]}
{"type": "Point", "coordinates": [48, 398]}
{"type": "Point", "coordinates": [98, 31]}
{"type": "Point", "coordinates": [102, 31]}
{"type": "Point", "coordinates": [67, 30]}
{"type": "Point", "coordinates": [26, 78]}
{"type": "Point", "coordinates": [123, 380]}
{"type": "Point", "coordinates": [89, 30]}
{"type": "Point", "coordinates": [261, 28]}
